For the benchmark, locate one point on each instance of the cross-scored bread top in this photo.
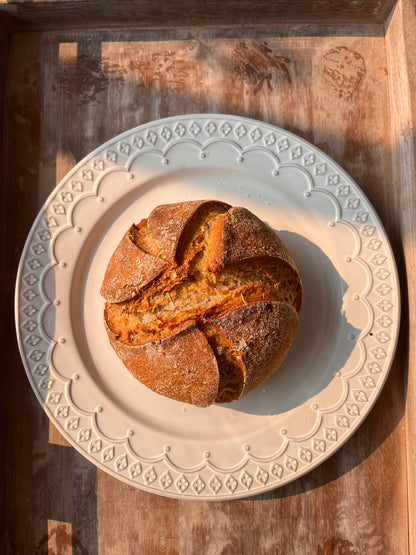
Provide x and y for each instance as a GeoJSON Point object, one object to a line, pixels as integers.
{"type": "Point", "coordinates": [210, 283]}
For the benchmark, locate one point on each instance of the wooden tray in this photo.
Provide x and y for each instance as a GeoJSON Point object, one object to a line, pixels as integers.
{"type": "Point", "coordinates": [340, 74]}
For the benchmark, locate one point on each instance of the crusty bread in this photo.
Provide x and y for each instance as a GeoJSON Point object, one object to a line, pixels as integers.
{"type": "Point", "coordinates": [202, 301]}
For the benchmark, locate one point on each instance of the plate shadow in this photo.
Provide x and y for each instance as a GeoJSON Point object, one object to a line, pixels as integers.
{"type": "Point", "coordinates": [324, 341]}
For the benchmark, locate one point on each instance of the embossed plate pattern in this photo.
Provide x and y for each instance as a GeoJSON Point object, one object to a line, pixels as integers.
{"type": "Point", "coordinates": [342, 352]}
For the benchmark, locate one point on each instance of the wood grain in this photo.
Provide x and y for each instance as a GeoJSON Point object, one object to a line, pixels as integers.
{"type": "Point", "coordinates": [402, 83]}
{"type": "Point", "coordinates": [95, 14]}
{"type": "Point", "coordinates": [42, 481]}
{"type": "Point", "coordinates": [67, 92]}
{"type": "Point", "coordinates": [56, 437]}
{"type": "Point", "coordinates": [59, 538]}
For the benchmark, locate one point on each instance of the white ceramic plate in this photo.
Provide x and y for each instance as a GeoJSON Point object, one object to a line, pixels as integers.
{"type": "Point", "coordinates": [348, 324]}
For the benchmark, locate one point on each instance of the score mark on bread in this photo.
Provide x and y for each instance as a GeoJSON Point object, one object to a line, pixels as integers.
{"type": "Point", "coordinates": [202, 301]}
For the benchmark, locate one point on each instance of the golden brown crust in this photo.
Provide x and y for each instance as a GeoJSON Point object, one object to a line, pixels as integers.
{"type": "Point", "coordinates": [182, 367]}
{"type": "Point", "coordinates": [260, 334]}
{"type": "Point", "coordinates": [203, 301]}
{"type": "Point", "coordinates": [167, 223]}
{"type": "Point", "coordinates": [129, 270]}
{"type": "Point", "coordinates": [243, 236]}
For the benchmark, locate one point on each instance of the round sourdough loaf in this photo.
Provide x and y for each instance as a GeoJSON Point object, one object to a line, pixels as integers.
{"type": "Point", "coordinates": [202, 301]}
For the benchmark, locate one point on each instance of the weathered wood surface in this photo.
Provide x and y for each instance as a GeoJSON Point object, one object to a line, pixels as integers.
{"type": "Point", "coordinates": [66, 93]}
{"type": "Point", "coordinates": [93, 14]}
{"type": "Point", "coordinates": [402, 85]}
